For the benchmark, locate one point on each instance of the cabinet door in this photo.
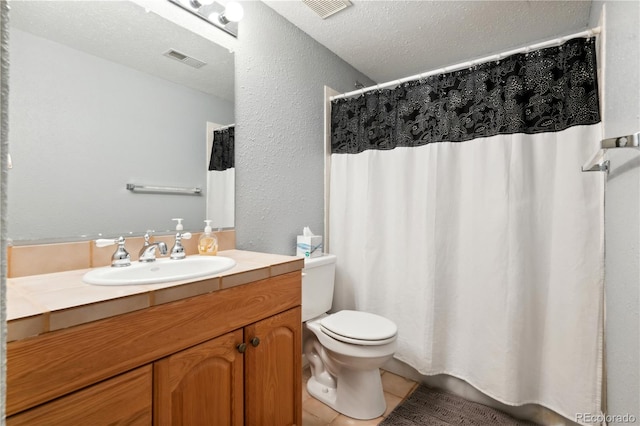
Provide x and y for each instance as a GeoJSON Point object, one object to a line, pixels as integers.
{"type": "Point", "coordinates": [202, 385]}
{"type": "Point", "coordinates": [122, 400]}
{"type": "Point", "coordinates": [273, 370]}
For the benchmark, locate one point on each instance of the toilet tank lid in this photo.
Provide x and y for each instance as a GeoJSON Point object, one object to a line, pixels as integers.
{"type": "Point", "coordinates": [324, 259]}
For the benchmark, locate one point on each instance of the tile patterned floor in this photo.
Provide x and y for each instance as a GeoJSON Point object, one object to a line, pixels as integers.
{"type": "Point", "coordinates": [315, 413]}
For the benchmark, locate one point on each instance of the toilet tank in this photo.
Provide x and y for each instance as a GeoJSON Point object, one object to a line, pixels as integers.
{"type": "Point", "coordinates": [318, 276]}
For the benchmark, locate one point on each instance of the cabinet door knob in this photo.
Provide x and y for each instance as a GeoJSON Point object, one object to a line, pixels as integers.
{"type": "Point", "coordinates": [255, 341]}
{"type": "Point", "coordinates": [242, 347]}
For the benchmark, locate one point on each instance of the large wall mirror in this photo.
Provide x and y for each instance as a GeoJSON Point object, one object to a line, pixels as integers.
{"type": "Point", "coordinates": [102, 94]}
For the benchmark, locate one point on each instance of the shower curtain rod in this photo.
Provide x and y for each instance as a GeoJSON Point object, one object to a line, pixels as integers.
{"type": "Point", "coordinates": [467, 64]}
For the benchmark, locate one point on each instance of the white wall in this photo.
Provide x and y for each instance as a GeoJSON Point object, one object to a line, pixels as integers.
{"type": "Point", "coordinates": [280, 78]}
{"type": "Point", "coordinates": [622, 211]}
{"type": "Point", "coordinates": [82, 127]}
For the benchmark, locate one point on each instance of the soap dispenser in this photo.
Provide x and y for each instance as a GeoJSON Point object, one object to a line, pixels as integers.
{"type": "Point", "coordinates": [179, 226]}
{"type": "Point", "coordinates": [208, 243]}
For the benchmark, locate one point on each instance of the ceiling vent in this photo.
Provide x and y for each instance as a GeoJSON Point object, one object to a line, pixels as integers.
{"type": "Point", "coordinates": [185, 59]}
{"type": "Point", "coordinates": [326, 8]}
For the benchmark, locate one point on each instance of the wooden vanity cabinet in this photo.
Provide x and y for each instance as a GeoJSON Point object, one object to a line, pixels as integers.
{"type": "Point", "coordinates": [230, 357]}
{"type": "Point", "coordinates": [202, 385]}
{"type": "Point", "coordinates": [245, 377]}
{"type": "Point", "coordinates": [123, 400]}
{"type": "Point", "coordinates": [273, 382]}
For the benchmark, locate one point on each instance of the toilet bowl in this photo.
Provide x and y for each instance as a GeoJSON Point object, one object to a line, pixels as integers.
{"type": "Point", "coordinates": [346, 349]}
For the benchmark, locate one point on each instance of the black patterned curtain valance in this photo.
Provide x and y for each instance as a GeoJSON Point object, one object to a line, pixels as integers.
{"type": "Point", "coordinates": [546, 90]}
{"type": "Point", "coordinates": [223, 150]}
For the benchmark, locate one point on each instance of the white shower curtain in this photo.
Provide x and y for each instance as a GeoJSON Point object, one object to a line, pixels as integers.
{"type": "Point", "coordinates": [221, 197]}
{"type": "Point", "coordinates": [221, 178]}
{"type": "Point", "coordinates": [489, 256]}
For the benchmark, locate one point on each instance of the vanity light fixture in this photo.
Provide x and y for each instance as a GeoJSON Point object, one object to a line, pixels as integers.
{"type": "Point", "coordinates": [232, 13]}
{"type": "Point", "coordinates": [224, 17]}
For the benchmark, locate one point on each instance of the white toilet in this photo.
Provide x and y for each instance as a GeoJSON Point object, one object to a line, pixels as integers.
{"type": "Point", "coordinates": [345, 349]}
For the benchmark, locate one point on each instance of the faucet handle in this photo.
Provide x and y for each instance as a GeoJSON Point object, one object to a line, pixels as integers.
{"type": "Point", "coordinates": [121, 256]}
{"type": "Point", "coordinates": [177, 252]}
{"type": "Point", "coordinates": [147, 237]}
{"type": "Point", "coordinates": [106, 242]}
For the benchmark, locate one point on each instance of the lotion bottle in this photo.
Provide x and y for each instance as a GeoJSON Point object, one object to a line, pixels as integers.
{"type": "Point", "coordinates": [208, 243]}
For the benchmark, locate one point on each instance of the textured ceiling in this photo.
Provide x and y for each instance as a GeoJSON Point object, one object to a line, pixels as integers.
{"type": "Point", "coordinates": [385, 40]}
{"type": "Point", "coordinates": [388, 40]}
{"type": "Point", "coordinates": [125, 33]}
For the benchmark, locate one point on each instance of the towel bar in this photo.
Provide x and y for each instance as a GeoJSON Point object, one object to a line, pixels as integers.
{"type": "Point", "coordinates": [163, 189]}
{"type": "Point", "coordinates": [598, 163]}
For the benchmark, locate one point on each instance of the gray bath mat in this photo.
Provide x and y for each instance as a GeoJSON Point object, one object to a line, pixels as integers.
{"type": "Point", "coordinates": [427, 406]}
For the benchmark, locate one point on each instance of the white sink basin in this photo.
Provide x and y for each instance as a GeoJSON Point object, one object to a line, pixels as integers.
{"type": "Point", "coordinates": [160, 271]}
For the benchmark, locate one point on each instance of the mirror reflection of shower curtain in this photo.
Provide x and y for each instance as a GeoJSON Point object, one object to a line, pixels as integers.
{"type": "Point", "coordinates": [221, 179]}
{"type": "Point", "coordinates": [458, 210]}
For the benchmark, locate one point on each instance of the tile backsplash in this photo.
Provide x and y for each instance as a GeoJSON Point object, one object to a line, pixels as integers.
{"type": "Point", "coordinates": [47, 258]}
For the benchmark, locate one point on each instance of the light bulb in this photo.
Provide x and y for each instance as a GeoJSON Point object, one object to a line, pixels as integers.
{"type": "Point", "coordinates": [233, 12]}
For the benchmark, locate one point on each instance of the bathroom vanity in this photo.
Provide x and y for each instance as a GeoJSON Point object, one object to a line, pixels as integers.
{"type": "Point", "coordinates": [223, 350]}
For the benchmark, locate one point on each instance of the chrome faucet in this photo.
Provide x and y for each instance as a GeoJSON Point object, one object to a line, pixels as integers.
{"type": "Point", "coordinates": [148, 250]}
{"type": "Point", "coordinates": [177, 252]}
{"type": "Point", "coordinates": [121, 257]}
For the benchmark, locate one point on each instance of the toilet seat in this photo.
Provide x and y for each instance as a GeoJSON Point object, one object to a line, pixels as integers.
{"type": "Point", "coordinates": [360, 328]}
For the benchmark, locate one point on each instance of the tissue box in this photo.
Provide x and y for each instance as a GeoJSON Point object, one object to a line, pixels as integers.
{"type": "Point", "coordinates": [309, 246]}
